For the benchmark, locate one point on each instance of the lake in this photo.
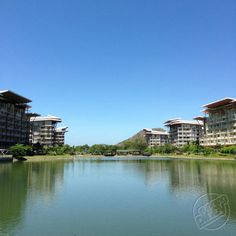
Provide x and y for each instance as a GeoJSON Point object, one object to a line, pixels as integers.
{"type": "Point", "coordinates": [118, 196]}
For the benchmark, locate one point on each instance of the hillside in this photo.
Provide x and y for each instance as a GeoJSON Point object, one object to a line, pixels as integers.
{"type": "Point", "coordinates": [138, 136]}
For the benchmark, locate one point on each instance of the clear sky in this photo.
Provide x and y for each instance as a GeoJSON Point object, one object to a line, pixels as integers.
{"type": "Point", "coordinates": [109, 68]}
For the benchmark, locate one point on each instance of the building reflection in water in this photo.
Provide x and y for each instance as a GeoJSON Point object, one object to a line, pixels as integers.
{"type": "Point", "coordinates": [21, 182]}
{"type": "Point", "coordinates": [13, 194]}
{"type": "Point", "coordinates": [192, 176]}
{"type": "Point", "coordinates": [209, 176]}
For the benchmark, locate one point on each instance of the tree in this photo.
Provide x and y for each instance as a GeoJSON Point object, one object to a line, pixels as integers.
{"type": "Point", "coordinates": [137, 144]}
{"type": "Point", "coordinates": [20, 150]}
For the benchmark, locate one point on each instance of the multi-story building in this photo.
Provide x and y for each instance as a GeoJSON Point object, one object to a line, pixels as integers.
{"type": "Point", "coordinates": [60, 135]}
{"type": "Point", "coordinates": [45, 132]}
{"type": "Point", "coordinates": [219, 123]}
{"type": "Point", "coordinates": [155, 137]}
{"type": "Point", "coordinates": [14, 122]}
{"type": "Point", "coordinates": [182, 132]}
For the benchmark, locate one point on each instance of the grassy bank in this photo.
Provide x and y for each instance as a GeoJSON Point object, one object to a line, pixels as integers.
{"type": "Point", "coordinates": [197, 157]}
{"type": "Point", "coordinates": [59, 157]}
{"type": "Point", "coordinates": [174, 156]}
{"type": "Point", "coordinates": [49, 158]}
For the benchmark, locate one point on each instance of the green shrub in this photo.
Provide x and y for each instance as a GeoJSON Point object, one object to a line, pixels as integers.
{"type": "Point", "coordinates": [190, 148]}
{"type": "Point", "coordinates": [165, 149]}
{"type": "Point", "coordinates": [228, 150]}
{"type": "Point", "coordinates": [207, 151]}
{"type": "Point", "coordinates": [60, 150]}
{"type": "Point", "coordinates": [20, 150]}
{"type": "Point", "coordinates": [82, 149]}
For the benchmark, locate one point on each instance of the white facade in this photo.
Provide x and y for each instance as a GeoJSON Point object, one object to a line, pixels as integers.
{"type": "Point", "coordinates": [155, 137]}
{"type": "Point", "coordinates": [220, 122]}
{"type": "Point", "coordinates": [182, 132]}
{"type": "Point", "coordinates": [60, 135]}
{"type": "Point", "coordinates": [44, 131]}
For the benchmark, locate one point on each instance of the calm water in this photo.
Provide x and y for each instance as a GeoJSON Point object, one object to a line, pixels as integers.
{"type": "Point", "coordinates": [112, 197]}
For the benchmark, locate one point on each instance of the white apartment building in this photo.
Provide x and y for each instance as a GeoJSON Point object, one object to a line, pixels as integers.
{"type": "Point", "coordinates": [60, 135]}
{"type": "Point", "coordinates": [44, 131]}
{"type": "Point", "coordinates": [219, 122]}
{"type": "Point", "coordinates": [182, 132]}
{"type": "Point", "coordinates": [155, 137]}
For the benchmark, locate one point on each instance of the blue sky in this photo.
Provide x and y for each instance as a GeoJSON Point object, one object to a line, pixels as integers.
{"type": "Point", "coordinates": [110, 68]}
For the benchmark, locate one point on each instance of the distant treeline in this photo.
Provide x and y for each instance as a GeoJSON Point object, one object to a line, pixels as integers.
{"type": "Point", "coordinates": [193, 148]}
{"type": "Point", "coordinates": [20, 150]}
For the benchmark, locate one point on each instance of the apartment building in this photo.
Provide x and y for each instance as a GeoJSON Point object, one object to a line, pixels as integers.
{"type": "Point", "coordinates": [182, 132]}
{"type": "Point", "coordinates": [155, 137]}
{"type": "Point", "coordinates": [219, 122]}
{"type": "Point", "coordinates": [14, 122]}
{"type": "Point", "coordinates": [44, 131]}
{"type": "Point", "coordinates": [60, 135]}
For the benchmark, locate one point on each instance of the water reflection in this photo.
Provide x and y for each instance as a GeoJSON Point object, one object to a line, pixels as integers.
{"type": "Point", "coordinates": [45, 179]}
{"type": "Point", "coordinates": [13, 192]}
{"type": "Point", "coordinates": [22, 183]}
{"type": "Point", "coordinates": [209, 176]}
{"type": "Point", "coordinates": [199, 177]}
{"type": "Point", "coordinates": [186, 176]}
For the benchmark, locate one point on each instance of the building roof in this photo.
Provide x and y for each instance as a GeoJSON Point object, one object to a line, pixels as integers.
{"type": "Point", "coordinates": [14, 97]}
{"type": "Point", "coordinates": [180, 121]}
{"type": "Point", "coordinates": [170, 120]}
{"type": "Point", "coordinates": [152, 131]}
{"type": "Point", "coordinates": [62, 129]}
{"type": "Point", "coordinates": [222, 102]}
{"type": "Point", "coordinates": [45, 118]}
{"type": "Point", "coordinates": [201, 118]}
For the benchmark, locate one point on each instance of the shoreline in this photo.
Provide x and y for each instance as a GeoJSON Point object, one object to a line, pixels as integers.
{"type": "Point", "coordinates": [180, 157]}
{"type": "Point", "coordinates": [213, 158]}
